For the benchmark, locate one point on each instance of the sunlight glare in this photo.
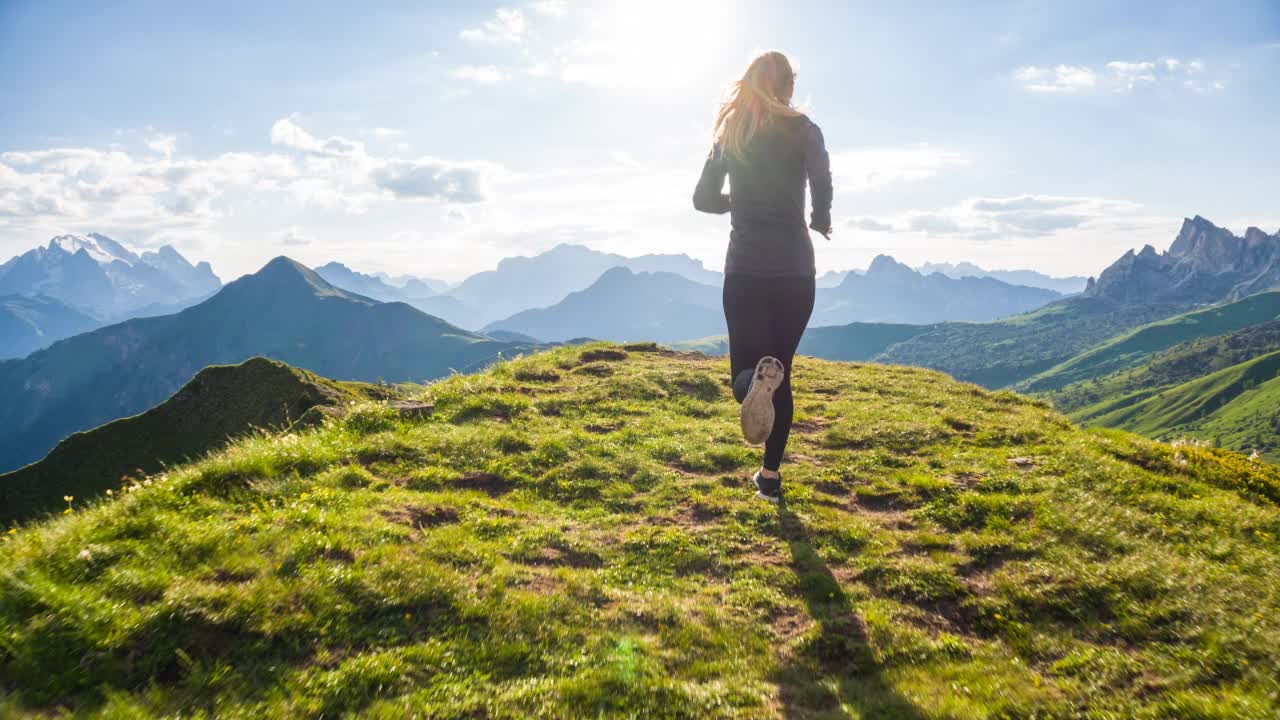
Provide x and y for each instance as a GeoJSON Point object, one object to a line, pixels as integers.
{"type": "Point", "coordinates": [651, 45]}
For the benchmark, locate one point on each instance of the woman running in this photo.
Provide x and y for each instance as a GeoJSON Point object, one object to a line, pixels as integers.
{"type": "Point", "coordinates": [767, 149]}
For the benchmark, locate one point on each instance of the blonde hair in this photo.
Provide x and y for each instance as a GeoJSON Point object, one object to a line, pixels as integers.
{"type": "Point", "coordinates": [763, 93]}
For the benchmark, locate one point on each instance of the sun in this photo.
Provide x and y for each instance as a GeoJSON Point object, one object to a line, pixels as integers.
{"type": "Point", "coordinates": [652, 45]}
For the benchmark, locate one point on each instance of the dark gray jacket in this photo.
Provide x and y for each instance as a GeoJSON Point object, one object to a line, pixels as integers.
{"type": "Point", "coordinates": [766, 198]}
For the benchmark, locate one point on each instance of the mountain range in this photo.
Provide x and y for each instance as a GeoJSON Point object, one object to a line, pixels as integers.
{"type": "Point", "coordinates": [105, 279]}
{"type": "Point", "coordinates": [522, 283]}
{"type": "Point", "coordinates": [623, 305]}
{"type": "Point", "coordinates": [78, 276]}
{"type": "Point", "coordinates": [1204, 265]}
{"type": "Point", "coordinates": [1030, 278]}
{"type": "Point", "coordinates": [892, 292]}
{"type": "Point", "coordinates": [378, 286]}
{"type": "Point", "coordinates": [518, 283]}
{"type": "Point", "coordinates": [284, 311]}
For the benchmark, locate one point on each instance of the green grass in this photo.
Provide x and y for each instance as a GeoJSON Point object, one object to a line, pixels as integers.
{"type": "Point", "coordinates": [571, 535]}
{"type": "Point", "coordinates": [1237, 407]}
{"type": "Point", "coordinates": [1138, 346]}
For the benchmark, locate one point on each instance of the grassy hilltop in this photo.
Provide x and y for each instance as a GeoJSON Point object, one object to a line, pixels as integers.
{"type": "Point", "coordinates": [571, 535]}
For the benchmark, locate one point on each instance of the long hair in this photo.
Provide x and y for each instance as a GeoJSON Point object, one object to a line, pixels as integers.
{"type": "Point", "coordinates": [754, 101]}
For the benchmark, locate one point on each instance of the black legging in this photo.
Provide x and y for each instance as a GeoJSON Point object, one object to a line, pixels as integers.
{"type": "Point", "coordinates": [766, 316]}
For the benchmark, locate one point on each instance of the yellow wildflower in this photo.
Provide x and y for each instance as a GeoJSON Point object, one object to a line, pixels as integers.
{"type": "Point", "coordinates": [68, 498]}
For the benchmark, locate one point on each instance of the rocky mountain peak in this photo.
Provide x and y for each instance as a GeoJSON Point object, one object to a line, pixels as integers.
{"type": "Point", "coordinates": [1205, 263]}
{"type": "Point", "coordinates": [886, 265]}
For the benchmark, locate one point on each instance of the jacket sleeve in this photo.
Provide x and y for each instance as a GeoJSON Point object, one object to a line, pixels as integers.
{"type": "Point", "coordinates": [709, 195]}
{"type": "Point", "coordinates": [818, 166]}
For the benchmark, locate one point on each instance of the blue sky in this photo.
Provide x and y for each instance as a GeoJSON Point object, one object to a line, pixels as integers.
{"type": "Point", "coordinates": [435, 139]}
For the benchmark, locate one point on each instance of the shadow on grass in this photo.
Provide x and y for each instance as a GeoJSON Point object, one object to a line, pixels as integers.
{"type": "Point", "coordinates": [836, 668]}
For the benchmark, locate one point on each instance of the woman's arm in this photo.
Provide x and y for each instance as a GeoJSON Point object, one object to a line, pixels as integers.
{"type": "Point", "coordinates": [818, 165]}
{"type": "Point", "coordinates": [709, 195]}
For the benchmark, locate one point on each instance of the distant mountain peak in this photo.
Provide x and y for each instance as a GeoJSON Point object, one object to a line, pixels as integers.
{"type": "Point", "coordinates": [618, 271]}
{"type": "Point", "coordinates": [1193, 233]}
{"type": "Point", "coordinates": [285, 267]}
{"type": "Point", "coordinates": [886, 264]}
{"type": "Point", "coordinates": [285, 277]}
{"type": "Point", "coordinates": [1026, 278]}
{"type": "Point", "coordinates": [101, 248]}
{"type": "Point", "coordinates": [1205, 263]}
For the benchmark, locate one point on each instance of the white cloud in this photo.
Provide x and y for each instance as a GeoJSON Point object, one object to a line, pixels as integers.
{"type": "Point", "coordinates": [430, 178]}
{"type": "Point", "coordinates": [1015, 217]}
{"type": "Point", "coordinates": [1060, 79]}
{"type": "Point", "coordinates": [287, 132]}
{"type": "Point", "coordinates": [386, 133]}
{"type": "Point", "coordinates": [164, 144]}
{"type": "Point", "coordinates": [481, 74]}
{"type": "Point", "coordinates": [292, 236]}
{"type": "Point", "coordinates": [1118, 76]}
{"type": "Point", "coordinates": [158, 191]}
{"type": "Point", "coordinates": [552, 8]}
{"type": "Point", "coordinates": [864, 169]}
{"type": "Point", "coordinates": [1131, 74]}
{"type": "Point", "coordinates": [869, 224]}
{"type": "Point", "coordinates": [507, 27]}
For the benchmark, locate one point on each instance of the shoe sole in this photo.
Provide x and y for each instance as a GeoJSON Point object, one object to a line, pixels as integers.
{"type": "Point", "coordinates": [768, 498]}
{"type": "Point", "coordinates": [756, 412]}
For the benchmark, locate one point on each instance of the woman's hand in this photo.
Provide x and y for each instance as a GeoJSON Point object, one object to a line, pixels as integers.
{"type": "Point", "coordinates": [823, 231]}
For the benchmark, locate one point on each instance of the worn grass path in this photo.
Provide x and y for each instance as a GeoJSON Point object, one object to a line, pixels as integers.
{"type": "Point", "coordinates": [572, 535]}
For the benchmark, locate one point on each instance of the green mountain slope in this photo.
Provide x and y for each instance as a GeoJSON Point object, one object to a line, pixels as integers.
{"type": "Point", "coordinates": [1179, 364]}
{"type": "Point", "coordinates": [220, 402]}
{"type": "Point", "coordinates": [1134, 348]}
{"type": "Point", "coordinates": [1005, 352]}
{"type": "Point", "coordinates": [1237, 407]}
{"type": "Point", "coordinates": [571, 535]}
{"type": "Point", "coordinates": [284, 311]}
{"type": "Point", "coordinates": [857, 341]}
